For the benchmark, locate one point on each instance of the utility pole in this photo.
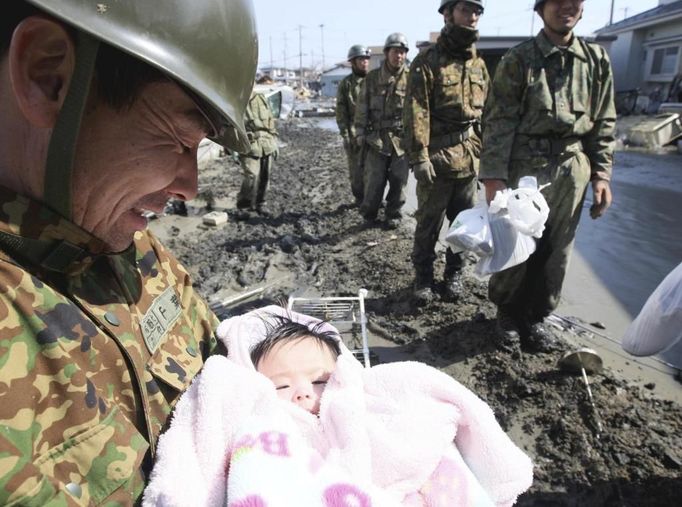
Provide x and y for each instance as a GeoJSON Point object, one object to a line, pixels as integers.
{"type": "Point", "coordinates": [322, 36]}
{"type": "Point", "coordinates": [532, 20]}
{"type": "Point", "coordinates": [284, 58]}
{"type": "Point", "coordinates": [611, 17]}
{"type": "Point", "coordinates": [272, 60]}
{"type": "Point", "coordinates": [300, 55]}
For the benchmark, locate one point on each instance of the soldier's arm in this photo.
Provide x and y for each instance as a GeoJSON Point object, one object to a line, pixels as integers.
{"type": "Point", "coordinates": [416, 113]}
{"type": "Point", "coordinates": [599, 143]}
{"type": "Point", "coordinates": [342, 113]}
{"type": "Point", "coordinates": [362, 110]}
{"type": "Point", "coordinates": [501, 118]}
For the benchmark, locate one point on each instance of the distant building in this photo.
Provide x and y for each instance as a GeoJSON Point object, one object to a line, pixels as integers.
{"type": "Point", "coordinates": [290, 77]}
{"type": "Point", "coordinates": [330, 79]}
{"type": "Point", "coordinates": [647, 53]}
{"type": "Point", "coordinates": [377, 57]}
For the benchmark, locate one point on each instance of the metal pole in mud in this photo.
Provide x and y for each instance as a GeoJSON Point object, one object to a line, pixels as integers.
{"type": "Point", "coordinates": [583, 360]}
{"type": "Point", "coordinates": [600, 429]}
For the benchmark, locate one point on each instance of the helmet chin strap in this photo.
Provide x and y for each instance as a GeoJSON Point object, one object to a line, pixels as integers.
{"type": "Point", "coordinates": [57, 191]}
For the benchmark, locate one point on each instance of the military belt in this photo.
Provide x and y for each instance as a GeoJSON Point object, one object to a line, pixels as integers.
{"type": "Point", "coordinates": [451, 139]}
{"type": "Point", "coordinates": [530, 147]}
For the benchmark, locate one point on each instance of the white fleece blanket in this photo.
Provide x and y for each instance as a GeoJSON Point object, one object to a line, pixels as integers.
{"type": "Point", "coordinates": [400, 434]}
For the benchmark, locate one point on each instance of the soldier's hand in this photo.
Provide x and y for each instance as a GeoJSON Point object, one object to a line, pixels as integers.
{"type": "Point", "coordinates": [359, 141]}
{"type": "Point", "coordinates": [602, 198]}
{"type": "Point", "coordinates": [492, 187]}
{"type": "Point", "coordinates": [424, 172]}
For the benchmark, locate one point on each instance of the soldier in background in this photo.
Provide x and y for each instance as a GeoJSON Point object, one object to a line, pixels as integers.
{"type": "Point", "coordinates": [346, 99]}
{"type": "Point", "coordinates": [551, 115]}
{"type": "Point", "coordinates": [379, 126]}
{"type": "Point", "coordinates": [256, 163]}
{"type": "Point", "coordinates": [101, 328]}
{"type": "Point", "coordinates": [446, 93]}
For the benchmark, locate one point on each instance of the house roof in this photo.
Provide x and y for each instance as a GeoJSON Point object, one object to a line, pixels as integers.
{"type": "Point", "coordinates": [340, 69]}
{"type": "Point", "coordinates": [662, 13]}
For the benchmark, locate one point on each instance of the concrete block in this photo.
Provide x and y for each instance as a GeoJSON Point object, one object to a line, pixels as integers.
{"type": "Point", "coordinates": [215, 218]}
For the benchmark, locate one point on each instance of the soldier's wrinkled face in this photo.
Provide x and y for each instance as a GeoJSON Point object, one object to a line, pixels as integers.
{"type": "Point", "coordinates": [396, 57]}
{"type": "Point", "coordinates": [360, 64]}
{"type": "Point", "coordinates": [132, 161]}
{"type": "Point", "coordinates": [466, 14]}
{"type": "Point", "coordinates": [561, 16]}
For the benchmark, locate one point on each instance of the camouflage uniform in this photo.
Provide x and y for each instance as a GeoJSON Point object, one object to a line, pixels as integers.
{"type": "Point", "coordinates": [257, 163]}
{"type": "Point", "coordinates": [346, 99]}
{"type": "Point", "coordinates": [551, 115]}
{"type": "Point", "coordinates": [94, 352]}
{"type": "Point", "coordinates": [378, 118]}
{"type": "Point", "coordinates": [446, 93]}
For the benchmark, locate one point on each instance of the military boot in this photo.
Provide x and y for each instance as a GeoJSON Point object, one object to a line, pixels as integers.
{"type": "Point", "coordinates": [454, 285]}
{"type": "Point", "coordinates": [423, 287]}
{"type": "Point", "coordinates": [453, 276]}
{"type": "Point", "coordinates": [540, 338]}
{"type": "Point", "coordinates": [508, 329]}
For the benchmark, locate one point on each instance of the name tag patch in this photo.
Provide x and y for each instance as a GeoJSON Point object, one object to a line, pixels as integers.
{"type": "Point", "coordinates": [163, 313]}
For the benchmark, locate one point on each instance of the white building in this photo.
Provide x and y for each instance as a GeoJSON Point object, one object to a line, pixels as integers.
{"type": "Point", "coordinates": [647, 53]}
{"type": "Point", "coordinates": [330, 79]}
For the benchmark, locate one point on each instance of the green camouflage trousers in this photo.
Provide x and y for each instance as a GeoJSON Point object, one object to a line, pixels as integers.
{"type": "Point", "coordinates": [255, 181]}
{"type": "Point", "coordinates": [532, 290]}
{"type": "Point", "coordinates": [446, 197]}
{"type": "Point", "coordinates": [355, 169]}
{"type": "Point", "coordinates": [379, 170]}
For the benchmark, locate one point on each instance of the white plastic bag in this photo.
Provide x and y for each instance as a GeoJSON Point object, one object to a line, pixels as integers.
{"type": "Point", "coordinates": [659, 325]}
{"type": "Point", "coordinates": [515, 218]}
{"type": "Point", "coordinates": [528, 209]}
{"type": "Point", "coordinates": [470, 231]}
{"type": "Point", "coordinates": [510, 247]}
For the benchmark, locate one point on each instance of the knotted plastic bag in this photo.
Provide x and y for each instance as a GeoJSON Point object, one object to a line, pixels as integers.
{"type": "Point", "coordinates": [470, 231]}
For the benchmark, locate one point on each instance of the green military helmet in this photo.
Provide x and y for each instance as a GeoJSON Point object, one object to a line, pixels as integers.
{"type": "Point", "coordinates": [358, 50]}
{"type": "Point", "coordinates": [218, 65]}
{"type": "Point", "coordinates": [445, 3]}
{"type": "Point", "coordinates": [396, 40]}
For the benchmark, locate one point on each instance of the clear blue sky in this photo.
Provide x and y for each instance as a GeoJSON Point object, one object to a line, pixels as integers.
{"type": "Point", "coordinates": [348, 22]}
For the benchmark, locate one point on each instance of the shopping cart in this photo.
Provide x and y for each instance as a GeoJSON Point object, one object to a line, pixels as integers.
{"type": "Point", "coordinates": [347, 314]}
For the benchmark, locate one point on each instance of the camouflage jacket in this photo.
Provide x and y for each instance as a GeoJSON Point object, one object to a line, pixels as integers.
{"type": "Point", "coordinates": [446, 93]}
{"type": "Point", "coordinates": [379, 111]}
{"type": "Point", "coordinates": [94, 352]}
{"type": "Point", "coordinates": [260, 126]}
{"type": "Point", "coordinates": [544, 98]}
{"type": "Point", "coordinates": [346, 99]}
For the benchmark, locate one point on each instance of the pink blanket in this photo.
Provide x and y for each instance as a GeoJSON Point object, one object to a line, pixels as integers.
{"type": "Point", "coordinates": [384, 437]}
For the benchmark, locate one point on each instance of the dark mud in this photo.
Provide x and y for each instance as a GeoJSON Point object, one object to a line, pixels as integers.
{"type": "Point", "coordinates": [314, 242]}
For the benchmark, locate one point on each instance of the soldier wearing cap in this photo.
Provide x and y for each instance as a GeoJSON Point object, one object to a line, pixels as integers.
{"type": "Point", "coordinates": [446, 92]}
{"type": "Point", "coordinates": [346, 99]}
{"type": "Point", "coordinates": [551, 115]}
{"type": "Point", "coordinates": [379, 130]}
{"type": "Point", "coordinates": [103, 107]}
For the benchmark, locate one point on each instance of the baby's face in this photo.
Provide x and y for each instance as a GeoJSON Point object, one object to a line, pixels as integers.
{"type": "Point", "coordinates": [300, 370]}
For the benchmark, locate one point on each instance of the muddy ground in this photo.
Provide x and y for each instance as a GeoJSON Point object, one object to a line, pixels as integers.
{"type": "Point", "coordinates": [315, 243]}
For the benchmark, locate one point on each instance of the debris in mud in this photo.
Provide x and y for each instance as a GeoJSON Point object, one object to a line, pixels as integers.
{"type": "Point", "coordinates": [315, 235]}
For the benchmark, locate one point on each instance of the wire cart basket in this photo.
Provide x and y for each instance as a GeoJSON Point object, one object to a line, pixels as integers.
{"type": "Point", "coordinates": [347, 314]}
